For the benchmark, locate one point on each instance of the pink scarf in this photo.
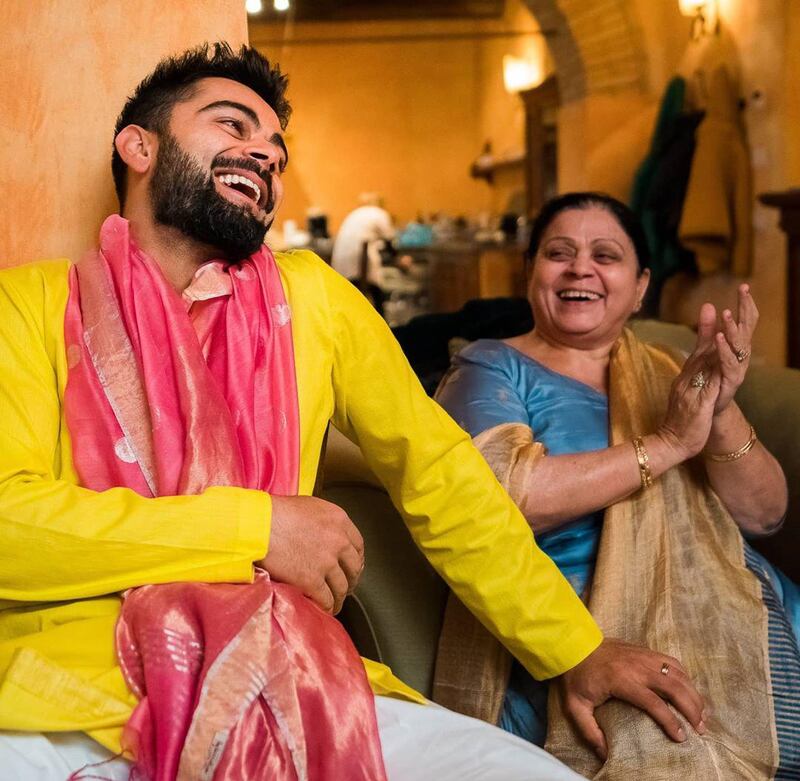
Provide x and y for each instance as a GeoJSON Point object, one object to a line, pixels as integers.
{"type": "Point", "coordinates": [235, 680]}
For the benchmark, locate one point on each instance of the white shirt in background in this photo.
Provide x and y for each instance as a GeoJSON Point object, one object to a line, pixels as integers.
{"type": "Point", "coordinates": [365, 225]}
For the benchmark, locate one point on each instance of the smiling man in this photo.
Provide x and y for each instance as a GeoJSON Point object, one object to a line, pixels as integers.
{"type": "Point", "coordinates": [163, 404]}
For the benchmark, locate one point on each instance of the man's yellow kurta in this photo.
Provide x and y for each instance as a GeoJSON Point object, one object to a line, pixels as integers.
{"type": "Point", "coordinates": [66, 551]}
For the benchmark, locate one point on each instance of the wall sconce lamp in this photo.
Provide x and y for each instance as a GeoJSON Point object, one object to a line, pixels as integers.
{"type": "Point", "coordinates": [256, 6]}
{"type": "Point", "coordinates": [521, 74]}
{"type": "Point", "coordinates": [704, 15]}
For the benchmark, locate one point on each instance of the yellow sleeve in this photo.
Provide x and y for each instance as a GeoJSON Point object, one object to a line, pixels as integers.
{"type": "Point", "coordinates": [455, 509]}
{"type": "Point", "coordinates": [61, 541]}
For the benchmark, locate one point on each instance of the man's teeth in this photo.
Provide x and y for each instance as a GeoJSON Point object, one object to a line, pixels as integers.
{"type": "Point", "coordinates": [579, 295]}
{"type": "Point", "coordinates": [231, 179]}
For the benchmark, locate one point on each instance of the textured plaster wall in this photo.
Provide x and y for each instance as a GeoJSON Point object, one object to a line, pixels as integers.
{"type": "Point", "coordinates": [601, 64]}
{"type": "Point", "coordinates": [68, 66]}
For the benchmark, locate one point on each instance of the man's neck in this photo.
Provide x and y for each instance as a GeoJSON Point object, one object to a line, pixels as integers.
{"type": "Point", "coordinates": [177, 256]}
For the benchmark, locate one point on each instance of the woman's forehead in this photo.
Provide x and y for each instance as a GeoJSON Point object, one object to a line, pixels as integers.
{"type": "Point", "coordinates": [590, 223]}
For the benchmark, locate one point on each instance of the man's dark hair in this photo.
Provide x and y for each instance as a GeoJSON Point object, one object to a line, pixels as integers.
{"type": "Point", "coordinates": [174, 79]}
{"type": "Point", "coordinates": [627, 220]}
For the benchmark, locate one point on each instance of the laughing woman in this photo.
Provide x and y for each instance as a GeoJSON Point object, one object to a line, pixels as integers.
{"type": "Point", "coordinates": [640, 478]}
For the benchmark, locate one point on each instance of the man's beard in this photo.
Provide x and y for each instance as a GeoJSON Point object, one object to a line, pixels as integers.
{"type": "Point", "coordinates": [184, 196]}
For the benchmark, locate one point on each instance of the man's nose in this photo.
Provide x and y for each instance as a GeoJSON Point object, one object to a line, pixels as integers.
{"type": "Point", "coordinates": [265, 153]}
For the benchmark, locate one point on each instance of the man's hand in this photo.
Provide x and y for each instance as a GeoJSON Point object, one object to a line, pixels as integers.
{"type": "Point", "coordinates": [315, 546]}
{"type": "Point", "coordinates": [634, 674]}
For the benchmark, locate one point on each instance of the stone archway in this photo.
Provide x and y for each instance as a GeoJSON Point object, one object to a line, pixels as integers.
{"type": "Point", "coordinates": [605, 113]}
{"type": "Point", "coordinates": [596, 45]}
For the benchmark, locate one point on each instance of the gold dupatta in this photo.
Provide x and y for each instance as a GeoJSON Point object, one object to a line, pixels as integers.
{"type": "Point", "coordinates": [670, 575]}
{"type": "Point", "coordinates": [472, 666]}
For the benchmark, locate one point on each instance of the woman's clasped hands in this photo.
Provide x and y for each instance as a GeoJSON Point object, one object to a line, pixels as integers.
{"type": "Point", "coordinates": [733, 343]}
{"type": "Point", "coordinates": [704, 389]}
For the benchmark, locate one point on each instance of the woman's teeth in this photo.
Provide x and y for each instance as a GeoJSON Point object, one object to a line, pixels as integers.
{"type": "Point", "coordinates": [579, 295]}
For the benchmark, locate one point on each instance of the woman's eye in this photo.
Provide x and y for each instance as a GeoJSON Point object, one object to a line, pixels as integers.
{"type": "Point", "coordinates": [558, 254]}
{"type": "Point", "coordinates": [605, 257]}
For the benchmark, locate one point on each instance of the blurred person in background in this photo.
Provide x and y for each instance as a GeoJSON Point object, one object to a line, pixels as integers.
{"type": "Point", "coordinates": [364, 245]}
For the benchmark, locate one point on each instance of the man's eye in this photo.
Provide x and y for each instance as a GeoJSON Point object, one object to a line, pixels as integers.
{"type": "Point", "coordinates": [234, 123]}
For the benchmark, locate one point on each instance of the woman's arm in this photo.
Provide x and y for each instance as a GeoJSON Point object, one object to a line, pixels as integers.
{"type": "Point", "coordinates": [750, 482]}
{"type": "Point", "coordinates": [753, 486]}
{"type": "Point", "coordinates": [565, 487]}
{"type": "Point", "coordinates": [560, 489]}
{"type": "Point", "coordinates": [554, 490]}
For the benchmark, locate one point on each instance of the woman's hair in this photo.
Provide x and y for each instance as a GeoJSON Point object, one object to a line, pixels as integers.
{"type": "Point", "coordinates": [627, 220]}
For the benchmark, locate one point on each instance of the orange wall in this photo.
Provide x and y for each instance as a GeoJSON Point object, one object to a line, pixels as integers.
{"type": "Point", "coordinates": [402, 119]}
{"type": "Point", "coordinates": [791, 95]}
{"type": "Point", "coordinates": [68, 66]}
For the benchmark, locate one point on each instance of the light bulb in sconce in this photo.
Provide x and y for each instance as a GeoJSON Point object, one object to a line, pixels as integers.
{"type": "Point", "coordinates": [520, 74]}
{"type": "Point", "coordinates": [704, 15]}
{"type": "Point", "coordinates": [253, 6]}
{"type": "Point", "coordinates": [281, 5]}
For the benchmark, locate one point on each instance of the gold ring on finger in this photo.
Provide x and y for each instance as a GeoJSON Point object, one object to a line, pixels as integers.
{"type": "Point", "coordinates": [742, 355]}
{"type": "Point", "coordinates": [698, 380]}
{"type": "Point", "coordinates": [665, 669]}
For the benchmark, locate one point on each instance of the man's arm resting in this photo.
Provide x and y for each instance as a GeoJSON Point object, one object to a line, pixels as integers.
{"type": "Point", "coordinates": [61, 541]}
{"type": "Point", "coordinates": [454, 507]}
{"type": "Point", "coordinates": [469, 529]}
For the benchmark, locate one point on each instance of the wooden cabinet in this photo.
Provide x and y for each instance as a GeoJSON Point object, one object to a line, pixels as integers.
{"type": "Point", "coordinates": [461, 272]}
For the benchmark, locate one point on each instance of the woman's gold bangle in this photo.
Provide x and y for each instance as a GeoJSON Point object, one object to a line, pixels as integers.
{"type": "Point", "coordinates": [645, 475]}
{"type": "Point", "coordinates": [735, 455]}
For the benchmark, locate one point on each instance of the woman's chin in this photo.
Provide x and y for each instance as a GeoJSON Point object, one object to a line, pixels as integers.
{"type": "Point", "coordinates": [586, 334]}
{"type": "Point", "coordinates": [578, 324]}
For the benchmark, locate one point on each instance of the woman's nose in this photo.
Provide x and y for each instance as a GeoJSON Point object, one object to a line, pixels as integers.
{"type": "Point", "coordinates": [581, 264]}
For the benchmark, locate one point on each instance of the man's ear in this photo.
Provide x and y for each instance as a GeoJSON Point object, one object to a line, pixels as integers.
{"type": "Point", "coordinates": [137, 148]}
